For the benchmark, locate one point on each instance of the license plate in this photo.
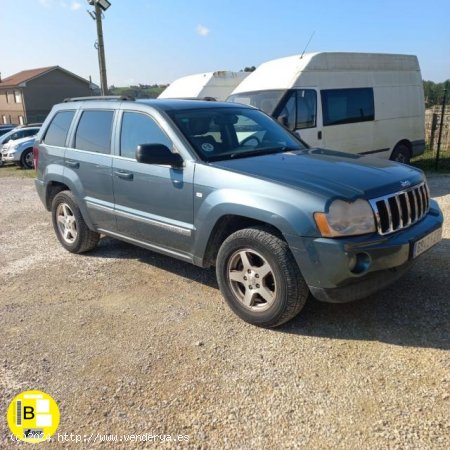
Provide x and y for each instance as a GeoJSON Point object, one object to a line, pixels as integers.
{"type": "Point", "coordinates": [426, 242]}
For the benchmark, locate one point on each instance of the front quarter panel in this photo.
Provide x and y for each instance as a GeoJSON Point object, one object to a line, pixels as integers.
{"type": "Point", "coordinates": [219, 192]}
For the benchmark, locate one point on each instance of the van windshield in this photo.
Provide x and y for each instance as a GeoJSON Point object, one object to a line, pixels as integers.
{"type": "Point", "coordinates": [266, 101]}
{"type": "Point", "coordinates": [219, 133]}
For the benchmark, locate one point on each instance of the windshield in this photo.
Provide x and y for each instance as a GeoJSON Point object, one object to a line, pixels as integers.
{"type": "Point", "coordinates": [224, 133]}
{"type": "Point", "coordinates": [266, 101]}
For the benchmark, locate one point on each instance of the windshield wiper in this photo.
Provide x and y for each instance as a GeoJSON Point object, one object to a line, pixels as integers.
{"type": "Point", "coordinates": [263, 151]}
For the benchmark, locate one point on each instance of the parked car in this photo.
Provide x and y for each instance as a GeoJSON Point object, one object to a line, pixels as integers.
{"type": "Point", "coordinates": [224, 185]}
{"type": "Point", "coordinates": [19, 152]}
{"type": "Point", "coordinates": [19, 133]}
{"type": "Point", "coordinates": [9, 140]}
{"type": "Point", "coordinates": [366, 103]}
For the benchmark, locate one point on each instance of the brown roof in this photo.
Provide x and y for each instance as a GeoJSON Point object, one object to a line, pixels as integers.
{"type": "Point", "coordinates": [27, 75]}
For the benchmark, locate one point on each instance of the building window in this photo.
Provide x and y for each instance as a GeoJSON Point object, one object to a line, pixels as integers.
{"type": "Point", "coordinates": [7, 98]}
{"type": "Point", "coordinates": [21, 122]}
{"type": "Point", "coordinates": [18, 96]}
{"type": "Point", "coordinates": [4, 119]}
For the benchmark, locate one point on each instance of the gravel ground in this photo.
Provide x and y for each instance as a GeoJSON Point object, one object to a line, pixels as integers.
{"type": "Point", "coordinates": [132, 342]}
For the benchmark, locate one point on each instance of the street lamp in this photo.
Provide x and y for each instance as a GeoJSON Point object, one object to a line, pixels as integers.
{"type": "Point", "coordinates": [100, 6]}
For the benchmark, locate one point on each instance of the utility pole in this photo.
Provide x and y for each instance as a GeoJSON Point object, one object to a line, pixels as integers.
{"type": "Point", "coordinates": [100, 6]}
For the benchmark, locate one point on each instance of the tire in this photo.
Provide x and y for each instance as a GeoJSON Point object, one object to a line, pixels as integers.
{"type": "Point", "coordinates": [259, 278]}
{"type": "Point", "coordinates": [401, 154]}
{"type": "Point", "coordinates": [26, 160]}
{"type": "Point", "coordinates": [69, 225]}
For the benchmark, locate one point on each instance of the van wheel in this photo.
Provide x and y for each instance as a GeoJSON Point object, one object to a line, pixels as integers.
{"type": "Point", "coordinates": [401, 154]}
{"type": "Point", "coordinates": [26, 160]}
{"type": "Point", "coordinates": [69, 225]}
{"type": "Point", "coordinates": [259, 278]}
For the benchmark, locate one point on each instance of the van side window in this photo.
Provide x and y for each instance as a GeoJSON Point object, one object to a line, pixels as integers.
{"type": "Point", "coordinates": [94, 131]}
{"type": "Point", "coordinates": [139, 129]}
{"type": "Point", "coordinates": [59, 127]}
{"type": "Point", "coordinates": [341, 106]}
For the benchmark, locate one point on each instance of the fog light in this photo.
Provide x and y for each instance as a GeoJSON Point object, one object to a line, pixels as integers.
{"type": "Point", "coordinates": [359, 263]}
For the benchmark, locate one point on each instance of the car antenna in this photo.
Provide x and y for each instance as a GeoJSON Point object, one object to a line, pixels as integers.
{"type": "Point", "coordinates": [306, 46]}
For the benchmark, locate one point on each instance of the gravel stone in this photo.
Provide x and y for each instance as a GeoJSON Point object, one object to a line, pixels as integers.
{"type": "Point", "coordinates": [114, 337]}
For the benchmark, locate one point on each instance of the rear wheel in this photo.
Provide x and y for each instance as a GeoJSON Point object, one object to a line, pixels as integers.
{"type": "Point", "coordinates": [69, 225]}
{"type": "Point", "coordinates": [259, 278]}
{"type": "Point", "coordinates": [26, 159]}
{"type": "Point", "coordinates": [401, 153]}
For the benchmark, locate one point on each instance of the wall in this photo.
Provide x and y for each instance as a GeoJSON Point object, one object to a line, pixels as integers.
{"type": "Point", "coordinates": [45, 91]}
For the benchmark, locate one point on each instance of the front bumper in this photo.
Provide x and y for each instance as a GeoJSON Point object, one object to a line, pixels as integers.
{"type": "Point", "coordinates": [328, 265]}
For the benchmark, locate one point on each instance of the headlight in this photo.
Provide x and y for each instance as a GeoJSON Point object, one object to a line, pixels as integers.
{"type": "Point", "coordinates": [346, 219]}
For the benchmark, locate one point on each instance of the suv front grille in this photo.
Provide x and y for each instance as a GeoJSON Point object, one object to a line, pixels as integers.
{"type": "Point", "coordinates": [400, 210]}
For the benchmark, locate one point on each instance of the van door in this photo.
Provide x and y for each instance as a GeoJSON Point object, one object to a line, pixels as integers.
{"type": "Point", "coordinates": [153, 203]}
{"type": "Point", "coordinates": [299, 112]}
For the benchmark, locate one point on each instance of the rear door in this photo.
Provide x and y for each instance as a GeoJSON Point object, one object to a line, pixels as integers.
{"type": "Point", "coordinates": [88, 164]}
{"type": "Point", "coordinates": [153, 203]}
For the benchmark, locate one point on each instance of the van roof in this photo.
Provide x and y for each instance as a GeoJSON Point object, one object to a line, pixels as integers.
{"type": "Point", "coordinates": [282, 73]}
{"type": "Point", "coordinates": [204, 84]}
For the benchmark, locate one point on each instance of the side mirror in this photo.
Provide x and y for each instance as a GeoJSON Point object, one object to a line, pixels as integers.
{"type": "Point", "coordinates": [158, 154]}
{"type": "Point", "coordinates": [283, 120]}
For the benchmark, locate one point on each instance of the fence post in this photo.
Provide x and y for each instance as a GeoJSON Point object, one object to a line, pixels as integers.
{"type": "Point", "coordinates": [433, 130]}
{"type": "Point", "coordinates": [441, 125]}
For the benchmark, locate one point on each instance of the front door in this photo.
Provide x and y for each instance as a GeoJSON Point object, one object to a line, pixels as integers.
{"type": "Point", "coordinates": [153, 203]}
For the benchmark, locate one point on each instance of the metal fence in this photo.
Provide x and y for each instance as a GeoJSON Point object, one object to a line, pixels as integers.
{"type": "Point", "coordinates": [432, 127]}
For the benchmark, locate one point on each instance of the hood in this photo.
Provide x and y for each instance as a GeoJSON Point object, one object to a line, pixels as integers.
{"type": "Point", "coordinates": [328, 173]}
{"type": "Point", "coordinates": [11, 144]}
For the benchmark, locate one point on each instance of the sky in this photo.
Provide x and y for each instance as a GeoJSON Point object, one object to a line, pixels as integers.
{"type": "Point", "coordinates": [157, 41]}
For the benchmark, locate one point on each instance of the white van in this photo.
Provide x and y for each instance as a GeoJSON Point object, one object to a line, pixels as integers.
{"type": "Point", "coordinates": [211, 85]}
{"type": "Point", "coordinates": [365, 103]}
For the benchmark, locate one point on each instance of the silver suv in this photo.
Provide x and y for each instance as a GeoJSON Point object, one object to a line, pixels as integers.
{"type": "Point", "coordinates": [224, 185]}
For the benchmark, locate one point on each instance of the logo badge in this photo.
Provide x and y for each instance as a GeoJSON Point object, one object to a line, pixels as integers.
{"type": "Point", "coordinates": [405, 183]}
{"type": "Point", "coordinates": [33, 416]}
{"type": "Point", "coordinates": [207, 147]}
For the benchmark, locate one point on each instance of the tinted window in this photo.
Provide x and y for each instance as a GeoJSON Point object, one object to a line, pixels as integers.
{"type": "Point", "coordinates": [139, 129]}
{"type": "Point", "coordinates": [347, 105]}
{"type": "Point", "coordinates": [58, 129]}
{"type": "Point", "coordinates": [94, 131]}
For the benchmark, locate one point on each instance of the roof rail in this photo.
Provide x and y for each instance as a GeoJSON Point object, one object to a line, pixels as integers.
{"type": "Point", "coordinates": [97, 97]}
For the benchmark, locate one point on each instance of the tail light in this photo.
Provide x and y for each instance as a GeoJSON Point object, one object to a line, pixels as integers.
{"type": "Point", "coordinates": [35, 156]}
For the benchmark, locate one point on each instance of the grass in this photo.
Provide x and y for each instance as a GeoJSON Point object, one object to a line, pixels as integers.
{"type": "Point", "coordinates": [15, 171]}
{"type": "Point", "coordinates": [427, 161]}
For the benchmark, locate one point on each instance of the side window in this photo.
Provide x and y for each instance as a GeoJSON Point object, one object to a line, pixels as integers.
{"type": "Point", "coordinates": [94, 131]}
{"type": "Point", "coordinates": [306, 108]}
{"type": "Point", "coordinates": [57, 131]}
{"type": "Point", "coordinates": [139, 129]}
{"type": "Point", "coordinates": [341, 106]}
{"type": "Point", "coordinates": [30, 133]}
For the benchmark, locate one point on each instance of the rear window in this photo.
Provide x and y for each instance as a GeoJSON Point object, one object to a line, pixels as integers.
{"type": "Point", "coordinates": [342, 106]}
{"type": "Point", "coordinates": [94, 131]}
{"type": "Point", "coordinates": [59, 127]}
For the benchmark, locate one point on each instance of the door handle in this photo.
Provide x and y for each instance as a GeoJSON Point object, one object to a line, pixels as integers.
{"type": "Point", "coordinates": [124, 175]}
{"type": "Point", "coordinates": [73, 164]}
{"type": "Point", "coordinates": [319, 135]}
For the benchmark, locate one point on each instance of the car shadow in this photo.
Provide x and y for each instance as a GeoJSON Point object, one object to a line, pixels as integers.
{"type": "Point", "coordinates": [415, 311]}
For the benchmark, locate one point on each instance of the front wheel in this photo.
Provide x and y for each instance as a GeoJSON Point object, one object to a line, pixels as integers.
{"type": "Point", "coordinates": [69, 225]}
{"type": "Point", "coordinates": [259, 278]}
{"type": "Point", "coordinates": [26, 161]}
{"type": "Point", "coordinates": [401, 154]}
